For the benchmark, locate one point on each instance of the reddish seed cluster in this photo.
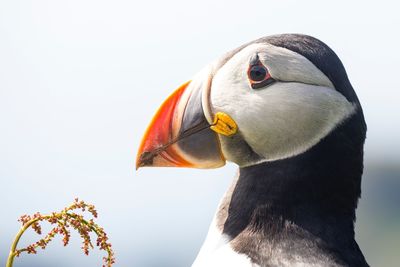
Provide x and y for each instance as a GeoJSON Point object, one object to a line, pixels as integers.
{"type": "Point", "coordinates": [63, 221]}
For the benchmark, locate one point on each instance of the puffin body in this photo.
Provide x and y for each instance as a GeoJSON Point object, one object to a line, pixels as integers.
{"type": "Point", "coordinates": [282, 109]}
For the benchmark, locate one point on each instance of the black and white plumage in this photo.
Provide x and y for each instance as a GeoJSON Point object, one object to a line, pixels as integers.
{"type": "Point", "coordinates": [299, 147]}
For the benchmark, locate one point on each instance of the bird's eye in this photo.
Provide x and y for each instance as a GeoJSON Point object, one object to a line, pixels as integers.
{"type": "Point", "coordinates": [259, 75]}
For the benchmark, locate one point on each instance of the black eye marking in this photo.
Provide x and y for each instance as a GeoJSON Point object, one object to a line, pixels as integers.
{"type": "Point", "coordinates": [258, 74]}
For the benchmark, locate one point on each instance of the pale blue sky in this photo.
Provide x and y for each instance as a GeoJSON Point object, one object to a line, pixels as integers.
{"type": "Point", "coordinates": [80, 80]}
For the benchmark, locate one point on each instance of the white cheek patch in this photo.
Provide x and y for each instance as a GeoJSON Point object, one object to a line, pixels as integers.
{"type": "Point", "coordinates": [290, 118]}
{"type": "Point", "coordinates": [285, 118]}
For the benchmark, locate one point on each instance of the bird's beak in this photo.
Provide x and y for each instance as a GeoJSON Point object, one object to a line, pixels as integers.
{"type": "Point", "coordinates": [180, 134]}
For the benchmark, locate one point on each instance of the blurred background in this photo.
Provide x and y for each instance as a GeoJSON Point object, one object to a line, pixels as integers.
{"type": "Point", "coordinates": [80, 80]}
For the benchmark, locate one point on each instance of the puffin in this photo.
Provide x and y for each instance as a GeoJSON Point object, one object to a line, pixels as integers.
{"type": "Point", "coordinates": [282, 108]}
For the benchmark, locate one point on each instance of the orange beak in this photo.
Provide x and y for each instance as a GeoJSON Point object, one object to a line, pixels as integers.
{"type": "Point", "coordinates": [179, 134]}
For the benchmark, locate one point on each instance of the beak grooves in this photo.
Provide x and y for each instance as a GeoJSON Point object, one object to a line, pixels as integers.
{"type": "Point", "coordinates": [162, 121]}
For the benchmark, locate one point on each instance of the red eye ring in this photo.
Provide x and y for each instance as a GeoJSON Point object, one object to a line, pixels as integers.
{"type": "Point", "coordinates": [259, 75]}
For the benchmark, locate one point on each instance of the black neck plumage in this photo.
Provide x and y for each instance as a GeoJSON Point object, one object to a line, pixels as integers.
{"type": "Point", "coordinates": [313, 195]}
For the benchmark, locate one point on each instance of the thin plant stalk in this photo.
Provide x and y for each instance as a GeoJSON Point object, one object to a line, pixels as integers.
{"type": "Point", "coordinates": [63, 221]}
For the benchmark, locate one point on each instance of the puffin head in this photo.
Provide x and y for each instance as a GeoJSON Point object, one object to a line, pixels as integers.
{"type": "Point", "coordinates": [270, 99]}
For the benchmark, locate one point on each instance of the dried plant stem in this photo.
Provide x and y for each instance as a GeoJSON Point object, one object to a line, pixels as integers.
{"type": "Point", "coordinates": [63, 220]}
{"type": "Point", "coordinates": [95, 228]}
{"type": "Point", "coordinates": [13, 250]}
